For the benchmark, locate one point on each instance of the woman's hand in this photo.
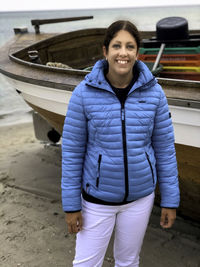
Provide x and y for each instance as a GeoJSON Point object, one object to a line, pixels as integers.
{"type": "Point", "coordinates": [74, 221]}
{"type": "Point", "coordinates": [168, 217]}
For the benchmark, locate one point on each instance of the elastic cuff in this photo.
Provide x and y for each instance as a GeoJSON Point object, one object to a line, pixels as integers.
{"type": "Point", "coordinates": [72, 211]}
{"type": "Point", "coordinates": [169, 207]}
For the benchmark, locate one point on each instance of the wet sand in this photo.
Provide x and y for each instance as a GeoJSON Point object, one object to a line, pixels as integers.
{"type": "Point", "coordinates": [33, 232]}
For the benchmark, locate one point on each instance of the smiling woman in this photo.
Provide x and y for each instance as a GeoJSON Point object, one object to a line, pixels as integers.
{"type": "Point", "coordinates": [117, 143]}
{"type": "Point", "coordinates": [121, 48]}
{"type": "Point", "coordinates": [121, 56]}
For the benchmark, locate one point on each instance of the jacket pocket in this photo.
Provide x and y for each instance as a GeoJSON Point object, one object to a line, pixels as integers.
{"type": "Point", "coordinates": [98, 170]}
{"type": "Point", "coordinates": [87, 187]}
{"type": "Point", "coordinates": [150, 165]}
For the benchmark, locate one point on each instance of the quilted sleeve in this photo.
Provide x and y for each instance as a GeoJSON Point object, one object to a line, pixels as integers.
{"type": "Point", "coordinates": [166, 164]}
{"type": "Point", "coordinates": [73, 151]}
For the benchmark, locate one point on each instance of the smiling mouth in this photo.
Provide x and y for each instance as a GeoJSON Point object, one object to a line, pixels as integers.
{"type": "Point", "coordinates": [122, 62]}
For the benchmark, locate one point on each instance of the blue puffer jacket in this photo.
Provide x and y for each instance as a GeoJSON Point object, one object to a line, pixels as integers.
{"type": "Point", "coordinates": [118, 153]}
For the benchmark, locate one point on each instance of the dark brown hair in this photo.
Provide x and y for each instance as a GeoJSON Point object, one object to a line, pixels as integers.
{"type": "Point", "coordinates": [117, 26]}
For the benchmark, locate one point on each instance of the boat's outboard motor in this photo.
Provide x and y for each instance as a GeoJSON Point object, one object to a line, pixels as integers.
{"type": "Point", "coordinates": [173, 31]}
{"type": "Point", "coordinates": [172, 28]}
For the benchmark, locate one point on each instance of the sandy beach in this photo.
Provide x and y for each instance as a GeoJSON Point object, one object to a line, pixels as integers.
{"type": "Point", "coordinates": [33, 232]}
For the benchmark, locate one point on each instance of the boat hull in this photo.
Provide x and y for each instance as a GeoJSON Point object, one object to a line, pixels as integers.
{"type": "Point", "coordinates": [188, 159]}
{"type": "Point", "coordinates": [52, 104]}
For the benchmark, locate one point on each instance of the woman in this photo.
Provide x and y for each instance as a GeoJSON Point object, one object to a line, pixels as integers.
{"type": "Point", "coordinates": [118, 141]}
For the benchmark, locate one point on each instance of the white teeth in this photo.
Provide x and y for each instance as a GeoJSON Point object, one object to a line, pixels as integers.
{"type": "Point", "coordinates": [122, 61]}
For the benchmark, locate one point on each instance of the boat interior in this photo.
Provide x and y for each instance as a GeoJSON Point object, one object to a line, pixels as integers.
{"type": "Point", "coordinates": [77, 50]}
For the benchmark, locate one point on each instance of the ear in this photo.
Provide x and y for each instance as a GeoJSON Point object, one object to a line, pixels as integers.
{"type": "Point", "coordinates": [104, 51]}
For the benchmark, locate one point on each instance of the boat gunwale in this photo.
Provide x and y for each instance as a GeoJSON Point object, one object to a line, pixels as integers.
{"type": "Point", "coordinates": [39, 82]}
{"type": "Point", "coordinates": [179, 82]}
{"type": "Point", "coordinates": [189, 103]}
{"type": "Point", "coordinates": [50, 68]}
{"type": "Point", "coordinates": [161, 81]}
{"type": "Point", "coordinates": [169, 81]}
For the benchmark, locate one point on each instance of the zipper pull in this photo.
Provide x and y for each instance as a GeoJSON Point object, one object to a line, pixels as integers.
{"type": "Point", "coordinates": [99, 159]}
{"type": "Point", "coordinates": [87, 187]}
{"type": "Point", "coordinates": [123, 114]}
{"type": "Point", "coordinates": [98, 174]}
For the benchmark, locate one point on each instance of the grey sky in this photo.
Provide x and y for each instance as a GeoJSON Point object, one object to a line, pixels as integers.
{"type": "Point", "coordinates": [13, 5]}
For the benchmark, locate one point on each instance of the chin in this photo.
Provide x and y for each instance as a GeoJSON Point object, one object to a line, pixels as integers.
{"type": "Point", "coordinates": [123, 72]}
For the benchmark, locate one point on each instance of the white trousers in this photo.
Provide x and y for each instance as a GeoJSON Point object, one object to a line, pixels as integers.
{"type": "Point", "coordinates": [130, 223]}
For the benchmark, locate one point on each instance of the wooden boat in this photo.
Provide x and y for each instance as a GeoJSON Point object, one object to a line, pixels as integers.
{"type": "Point", "coordinates": [47, 89]}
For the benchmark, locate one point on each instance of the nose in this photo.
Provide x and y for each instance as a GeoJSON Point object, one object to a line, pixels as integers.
{"type": "Point", "coordinates": [123, 51]}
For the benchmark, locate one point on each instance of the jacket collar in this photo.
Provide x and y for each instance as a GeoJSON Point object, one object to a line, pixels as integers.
{"type": "Point", "coordinates": [97, 79]}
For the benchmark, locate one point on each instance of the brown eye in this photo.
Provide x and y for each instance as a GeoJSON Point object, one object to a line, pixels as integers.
{"type": "Point", "coordinates": [130, 47]}
{"type": "Point", "coordinates": [116, 46]}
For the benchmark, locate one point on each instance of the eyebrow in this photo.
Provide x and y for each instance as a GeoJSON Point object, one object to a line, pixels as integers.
{"type": "Point", "coordinates": [127, 42]}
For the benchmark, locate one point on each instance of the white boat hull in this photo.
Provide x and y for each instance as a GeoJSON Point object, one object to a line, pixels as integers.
{"type": "Point", "coordinates": [186, 120]}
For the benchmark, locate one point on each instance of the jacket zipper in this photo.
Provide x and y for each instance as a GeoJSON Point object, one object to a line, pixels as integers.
{"type": "Point", "coordinates": [125, 151]}
{"type": "Point", "coordinates": [98, 171]}
{"type": "Point", "coordinates": [150, 167]}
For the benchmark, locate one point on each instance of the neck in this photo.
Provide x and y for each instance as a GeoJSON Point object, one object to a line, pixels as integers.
{"type": "Point", "coordinates": [119, 81]}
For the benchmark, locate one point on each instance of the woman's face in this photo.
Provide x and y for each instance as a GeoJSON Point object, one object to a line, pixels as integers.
{"type": "Point", "coordinates": [122, 54]}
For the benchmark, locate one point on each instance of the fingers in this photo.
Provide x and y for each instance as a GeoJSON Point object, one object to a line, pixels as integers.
{"type": "Point", "coordinates": [80, 222]}
{"type": "Point", "coordinates": [168, 217]}
{"type": "Point", "coordinates": [166, 222]}
{"type": "Point", "coordinates": [74, 222]}
{"type": "Point", "coordinates": [163, 219]}
{"type": "Point", "coordinates": [72, 227]}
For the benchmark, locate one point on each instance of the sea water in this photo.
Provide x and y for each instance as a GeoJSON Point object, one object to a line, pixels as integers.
{"type": "Point", "coordinates": [13, 109]}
